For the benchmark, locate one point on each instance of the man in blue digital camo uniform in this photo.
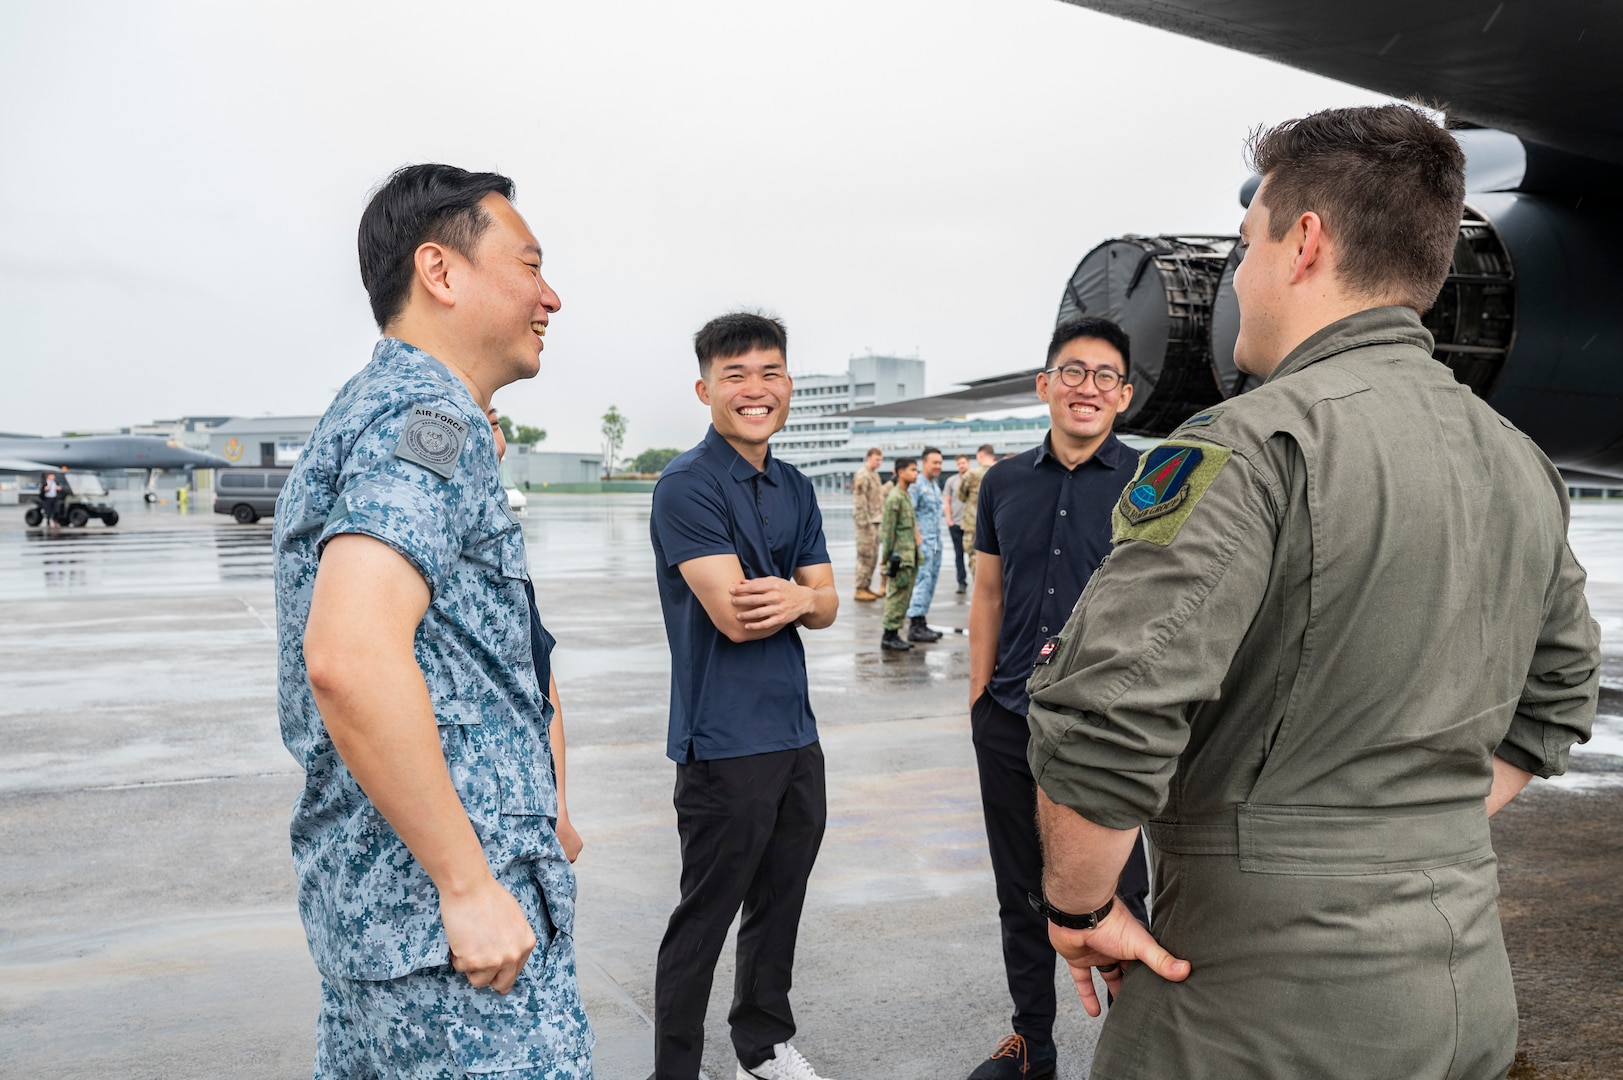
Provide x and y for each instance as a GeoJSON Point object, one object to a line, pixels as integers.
{"type": "Point", "coordinates": [1339, 628]}
{"type": "Point", "coordinates": [926, 498]}
{"type": "Point", "coordinates": [437, 901]}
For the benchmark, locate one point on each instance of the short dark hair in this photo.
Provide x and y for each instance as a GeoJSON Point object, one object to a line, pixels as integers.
{"type": "Point", "coordinates": [927, 451]}
{"type": "Point", "coordinates": [420, 204]}
{"type": "Point", "coordinates": [1100, 329]}
{"type": "Point", "coordinates": [737, 333]}
{"type": "Point", "coordinates": [986, 448]}
{"type": "Point", "coordinates": [1389, 185]}
{"type": "Point", "coordinates": [902, 463]}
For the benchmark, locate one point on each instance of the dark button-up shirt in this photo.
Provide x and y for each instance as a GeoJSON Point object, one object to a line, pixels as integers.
{"type": "Point", "coordinates": [1051, 527]}
{"type": "Point", "coordinates": [730, 699]}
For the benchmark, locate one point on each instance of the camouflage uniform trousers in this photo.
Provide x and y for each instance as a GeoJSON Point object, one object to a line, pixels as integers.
{"type": "Point", "coordinates": [433, 1025]}
{"type": "Point", "coordinates": [898, 595]}
{"type": "Point", "coordinates": [867, 552]}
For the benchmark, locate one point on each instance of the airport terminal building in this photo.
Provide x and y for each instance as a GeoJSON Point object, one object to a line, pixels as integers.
{"type": "Point", "coordinates": [827, 446]}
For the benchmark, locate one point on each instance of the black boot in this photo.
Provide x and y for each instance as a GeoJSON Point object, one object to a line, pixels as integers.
{"type": "Point", "coordinates": [917, 630]}
{"type": "Point", "coordinates": [893, 640]}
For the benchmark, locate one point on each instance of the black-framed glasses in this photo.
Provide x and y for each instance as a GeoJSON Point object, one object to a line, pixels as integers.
{"type": "Point", "coordinates": [1106, 379]}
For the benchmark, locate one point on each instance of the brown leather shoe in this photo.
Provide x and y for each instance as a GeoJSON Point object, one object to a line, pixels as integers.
{"type": "Point", "coordinates": [866, 594]}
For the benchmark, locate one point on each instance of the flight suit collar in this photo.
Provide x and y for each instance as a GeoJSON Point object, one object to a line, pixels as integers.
{"type": "Point", "coordinates": [1394, 325]}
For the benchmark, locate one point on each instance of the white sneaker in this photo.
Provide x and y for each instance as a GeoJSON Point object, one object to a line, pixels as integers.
{"type": "Point", "coordinates": [786, 1064]}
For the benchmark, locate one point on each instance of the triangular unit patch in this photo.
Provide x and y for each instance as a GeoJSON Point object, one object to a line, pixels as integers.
{"type": "Point", "coordinates": [1162, 484]}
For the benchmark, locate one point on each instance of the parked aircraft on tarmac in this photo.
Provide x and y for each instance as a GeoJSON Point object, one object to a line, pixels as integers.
{"type": "Point", "coordinates": [1527, 318]}
{"type": "Point", "coordinates": [99, 453]}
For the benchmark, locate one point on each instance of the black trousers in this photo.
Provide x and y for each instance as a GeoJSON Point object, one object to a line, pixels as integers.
{"type": "Point", "coordinates": [1009, 802]}
{"type": "Point", "coordinates": [957, 535]}
{"type": "Point", "coordinates": [750, 829]}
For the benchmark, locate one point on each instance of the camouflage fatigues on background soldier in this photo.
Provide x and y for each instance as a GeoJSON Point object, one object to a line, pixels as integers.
{"type": "Point", "coordinates": [927, 512]}
{"type": "Point", "coordinates": [1330, 602]}
{"type": "Point", "coordinates": [898, 533]}
{"type": "Point", "coordinates": [868, 508]}
{"type": "Point", "coordinates": [969, 493]}
{"type": "Point", "coordinates": [405, 455]}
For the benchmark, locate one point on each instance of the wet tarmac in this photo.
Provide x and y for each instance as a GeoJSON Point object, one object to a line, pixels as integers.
{"type": "Point", "coordinates": [147, 926]}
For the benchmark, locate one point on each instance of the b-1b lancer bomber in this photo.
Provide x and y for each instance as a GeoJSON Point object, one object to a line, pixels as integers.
{"type": "Point", "coordinates": [33, 455]}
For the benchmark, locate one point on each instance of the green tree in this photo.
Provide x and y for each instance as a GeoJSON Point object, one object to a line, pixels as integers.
{"type": "Point", "coordinates": [614, 435]}
{"type": "Point", "coordinates": [652, 461]}
{"type": "Point", "coordinates": [520, 433]}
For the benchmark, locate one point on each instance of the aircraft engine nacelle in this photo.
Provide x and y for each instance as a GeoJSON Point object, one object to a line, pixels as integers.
{"type": "Point", "coordinates": [1527, 319]}
{"type": "Point", "coordinates": [1160, 290]}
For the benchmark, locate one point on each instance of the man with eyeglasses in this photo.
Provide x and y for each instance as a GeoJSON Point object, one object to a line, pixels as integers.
{"type": "Point", "coordinates": [1042, 527]}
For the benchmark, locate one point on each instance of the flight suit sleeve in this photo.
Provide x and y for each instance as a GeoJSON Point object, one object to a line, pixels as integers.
{"type": "Point", "coordinates": [1557, 706]}
{"type": "Point", "coordinates": [1154, 632]}
{"type": "Point", "coordinates": [425, 512]}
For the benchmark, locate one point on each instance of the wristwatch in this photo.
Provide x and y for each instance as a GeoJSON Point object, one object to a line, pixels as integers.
{"type": "Point", "coordinates": [1065, 918]}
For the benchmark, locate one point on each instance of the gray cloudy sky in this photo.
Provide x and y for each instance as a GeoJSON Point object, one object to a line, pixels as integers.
{"type": "Point", "coordinates": [180, 184]}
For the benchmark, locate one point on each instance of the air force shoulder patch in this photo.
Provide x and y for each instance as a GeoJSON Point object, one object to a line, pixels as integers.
{"type": "Point", "coordinates": [1171, 479]}
{"type": "Point", "coordinates": [433, 439]}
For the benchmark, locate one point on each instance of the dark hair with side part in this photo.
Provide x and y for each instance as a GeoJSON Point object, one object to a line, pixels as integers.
{"type": "Point", "coordinates": [1098, 328]}
{"type": "Point", "coordinates": [737, 333]}
{"type": "Point", "coordinates": [927, 451]}
{"type": "Point", "coordinates": [1386, 181]}
{"type": "Point", "coordinates": [902, 463]}
{"type": "Point", "coordinates": [417, 205]}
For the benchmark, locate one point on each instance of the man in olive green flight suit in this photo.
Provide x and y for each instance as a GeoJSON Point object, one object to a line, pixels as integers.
{"type": "Point", "coordinates": [899, 536]}
{"type": "Point", "coordinates": [1340, 626]}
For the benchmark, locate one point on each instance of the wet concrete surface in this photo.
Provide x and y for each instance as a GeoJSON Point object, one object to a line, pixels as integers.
{"type": "Point", "coordinates": [147, 925]}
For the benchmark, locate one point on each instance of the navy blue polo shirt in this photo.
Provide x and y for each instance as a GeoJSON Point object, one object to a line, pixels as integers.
{"type": "Point", "coordinates": [1051, 527]}
{"type": "Point", "coordinates": [730, 699]}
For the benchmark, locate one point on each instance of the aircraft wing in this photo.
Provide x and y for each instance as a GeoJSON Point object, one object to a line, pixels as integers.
{"type": "Point", "coordinates": [1545, 70]}
{"type": "Point", "coordinates": [22, 465]}
{"type": "Point", "coordinates": [997, 392]}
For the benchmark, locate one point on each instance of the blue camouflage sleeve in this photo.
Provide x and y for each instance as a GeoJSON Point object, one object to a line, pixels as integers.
{"type": "Point", "coordinates": [401, 484]}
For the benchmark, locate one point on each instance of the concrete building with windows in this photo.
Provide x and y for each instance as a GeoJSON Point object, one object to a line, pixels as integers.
{"type": "Point", "coordinates": [818, 439]}
{"type": "Point", "coordinates": [262, 440]}
{"type": "Point", "coordinates": [192, 432]}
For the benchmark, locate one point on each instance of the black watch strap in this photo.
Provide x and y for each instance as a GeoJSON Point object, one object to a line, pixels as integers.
{"type": "Point", "coordinates": [1065, 918]}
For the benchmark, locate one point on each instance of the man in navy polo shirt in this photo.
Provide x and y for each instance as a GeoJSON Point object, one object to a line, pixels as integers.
{"type": "Point", "coordinates": [742, 566]}
{"type": "Point", "coordinates": [1042, 526]}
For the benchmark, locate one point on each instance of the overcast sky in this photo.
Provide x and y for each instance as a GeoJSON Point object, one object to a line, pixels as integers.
{"type": "Point", "coordinates": [180, 183]}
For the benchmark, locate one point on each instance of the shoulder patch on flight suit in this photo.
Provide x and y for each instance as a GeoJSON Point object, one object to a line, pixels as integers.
{"type": "Point", "coordinates": [433, 439]}
{"type": "Point", "coordinates": [1171, 479]}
